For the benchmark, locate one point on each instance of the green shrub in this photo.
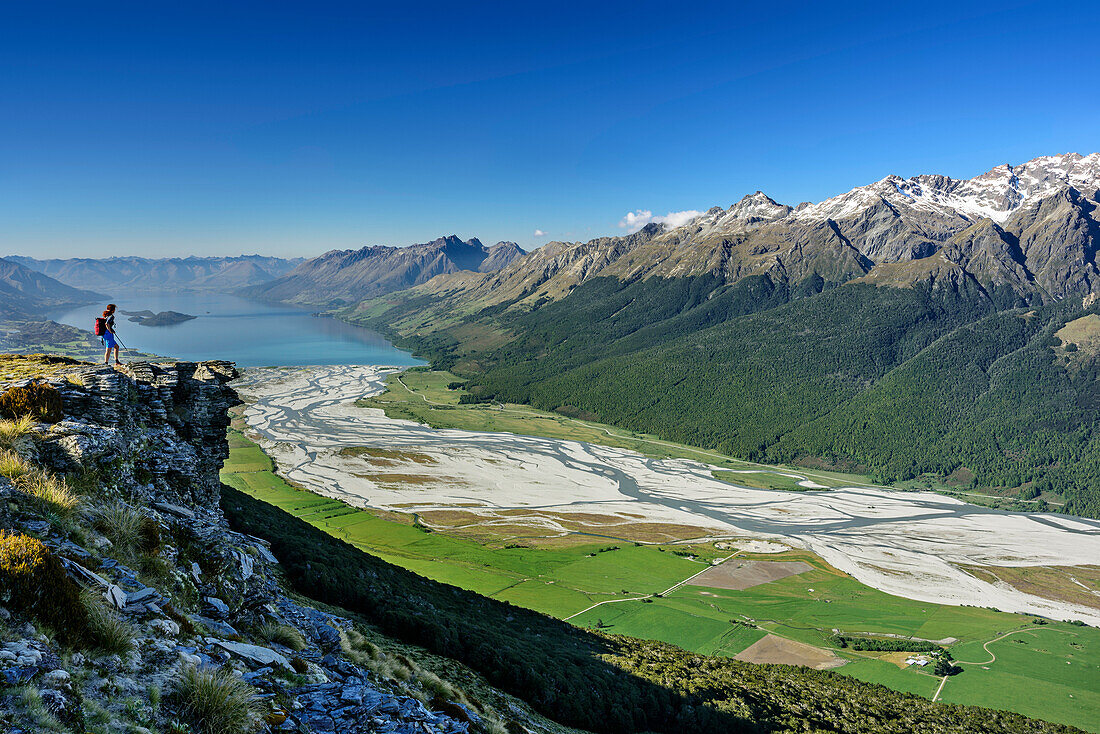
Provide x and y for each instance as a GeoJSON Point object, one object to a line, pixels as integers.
{"type": "Point", "coordinates": [33, 582]}
{"type": "Point", "coordinates": [283, 634]}
{"type": "Point", "coordinates": [38, 400]}
{"type": "Point", "coordinates": [216, 701]}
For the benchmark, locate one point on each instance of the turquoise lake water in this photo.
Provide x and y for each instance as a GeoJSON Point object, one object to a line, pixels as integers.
{"type": "Point", "coordinates": [250, 333]}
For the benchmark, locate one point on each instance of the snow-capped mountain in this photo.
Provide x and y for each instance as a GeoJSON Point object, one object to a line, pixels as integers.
{"type": "Point", "coordinates": [993, 195]}
{"type": "Point", "coordinates": [1025, 233]}
{"type": "Point", "coordinates": [1016, 234]}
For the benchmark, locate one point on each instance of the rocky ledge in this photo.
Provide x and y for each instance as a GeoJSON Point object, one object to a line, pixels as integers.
{"type": "Point", "coordinates": [127, 604]}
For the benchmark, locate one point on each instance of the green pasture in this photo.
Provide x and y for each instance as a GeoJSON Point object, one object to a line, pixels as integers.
{"type": "Point", "coordinates": [1053, 673]}
{"type": "Point", "coordinates": [1050, 672]}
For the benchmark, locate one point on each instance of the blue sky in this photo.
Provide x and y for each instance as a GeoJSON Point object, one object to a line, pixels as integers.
{"type": "Point", "coordinates": [294, 128]}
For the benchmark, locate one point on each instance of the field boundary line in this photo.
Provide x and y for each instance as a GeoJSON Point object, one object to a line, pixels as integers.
{"type": "Point", "coordinates": [669, 590]}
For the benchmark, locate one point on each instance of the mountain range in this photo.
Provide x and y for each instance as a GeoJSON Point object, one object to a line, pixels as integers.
{"type": "Point", "coordinates": [27, 294]}
{"type": "Point", "coordinates": [922, 330]}
{"type": "Point", "coordinates": [1023, 234]}
{"type": "Point", "coordinates": [347, 276]}
{"type": "Point", "coordinates": [143, 274]}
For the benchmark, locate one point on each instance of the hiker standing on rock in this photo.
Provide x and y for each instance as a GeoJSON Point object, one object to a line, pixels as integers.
{"type": "Point", "coordinates": [105, 329]}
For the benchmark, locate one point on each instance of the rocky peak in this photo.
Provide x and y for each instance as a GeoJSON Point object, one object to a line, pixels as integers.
{"type": "Point", "coordinates": [993, 195]}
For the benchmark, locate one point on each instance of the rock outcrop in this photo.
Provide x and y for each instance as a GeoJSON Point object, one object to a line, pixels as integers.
{"type": "Point", "coordinates": [117, 504]}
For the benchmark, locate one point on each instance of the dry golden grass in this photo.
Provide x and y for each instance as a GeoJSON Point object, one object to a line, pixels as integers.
{"type": "Point", "coordinates": [13, 430]}
{"type": "Point", "coordinates": [13, 466]}
{"type": "Point", "coordinates": [1073, 584]}
{"type": "Point", "coordinates": [52, 493]}
{"type": "Point", "coordinates": [23, 366]}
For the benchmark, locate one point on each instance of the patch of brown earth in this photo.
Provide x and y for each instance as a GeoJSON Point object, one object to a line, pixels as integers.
{"type": "Point", "coordinates": [737, 575]}
{"type": "Point", "coordinates": [376, 455]}
{"type": "Point", "coordinates": [772, 649]}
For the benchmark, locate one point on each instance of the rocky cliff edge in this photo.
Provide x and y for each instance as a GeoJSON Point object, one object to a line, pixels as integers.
{"type": "Point", "coordinates": [126, 602]}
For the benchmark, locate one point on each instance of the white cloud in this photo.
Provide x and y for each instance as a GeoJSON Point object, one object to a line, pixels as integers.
{"type": "Point", "coordinates": [540, 233]}
{"type": "Point", "coordinates": [635, 220]}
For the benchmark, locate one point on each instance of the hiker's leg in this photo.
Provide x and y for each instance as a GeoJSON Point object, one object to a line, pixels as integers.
{"type": "Point", "coordinates": [116, 356]}
{"type": "Point", "coordinates": [107, 355]}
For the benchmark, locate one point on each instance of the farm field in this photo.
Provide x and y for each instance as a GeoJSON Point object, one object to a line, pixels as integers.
{"type": "Point", "coordinates": [1057, 662]}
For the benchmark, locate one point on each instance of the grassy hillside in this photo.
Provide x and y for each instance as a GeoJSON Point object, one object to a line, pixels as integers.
{"type": "Point", "coordinates": [898, 383]}
{"type": "Point", "coordinates": [616, 586]}
{"type": "Point", "coordinates": [599, 682]}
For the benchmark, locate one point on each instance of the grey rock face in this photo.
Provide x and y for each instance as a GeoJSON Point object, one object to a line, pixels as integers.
{"type": "Point", "coordinates": [162, 423]}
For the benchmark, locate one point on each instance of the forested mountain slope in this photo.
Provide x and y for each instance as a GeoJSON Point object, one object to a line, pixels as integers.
{"type": "Point", "coordinates": [896, 381]}
{"type": "Point", "coordinates": [912, 326]}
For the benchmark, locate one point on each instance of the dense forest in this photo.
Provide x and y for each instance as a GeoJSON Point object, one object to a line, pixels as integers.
{"type": "Point", "coordinates": [602, 683]}
{"type": "Point", "coordinates": [896, 383]}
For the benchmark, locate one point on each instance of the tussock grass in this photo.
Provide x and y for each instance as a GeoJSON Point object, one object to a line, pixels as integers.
{"type": "Point", "coordinates": [128, 527]}
{"type": "Point", "coordinates": [285, 635]}
{"type": "Point", "coordinates": [438, 687]}
{"type": "Point", "coordinates": [493, 726]}
{"type": "Point", "coordinates": [216, 702]}
{"type": "Point", "coordinates": [52, 493]}
{"type": "Point", "coordinates": [13, 466]}
{"type": "Point", "coordinates": [109, 631]}
{"type": "Point", "coordinates": [29, 701]}
{"type": "Point", "coordinates": [358, 649]}
{"type": "Point", "coordinates": [13, 430]}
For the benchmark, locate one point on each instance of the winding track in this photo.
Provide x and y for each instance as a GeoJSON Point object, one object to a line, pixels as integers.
{"type": "Point", "coordinates": [905, 543]}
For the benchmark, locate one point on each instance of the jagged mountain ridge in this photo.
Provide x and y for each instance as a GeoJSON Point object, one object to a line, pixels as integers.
{"type": "Point", "coordinates": [176, 273]}
{"type": "Point", "coordinates": [25, 293]}
{"type": "Point", "coordinates": [350, 275]}
{"type": "Point", "coordinates": [1028, 233]}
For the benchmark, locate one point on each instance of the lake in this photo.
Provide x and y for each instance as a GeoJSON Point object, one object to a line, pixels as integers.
{"type": "Point", "coordinates": [250, 333]}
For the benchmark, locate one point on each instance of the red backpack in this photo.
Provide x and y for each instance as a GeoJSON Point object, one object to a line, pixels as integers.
{"type": "Point", "coordinates": [100, 326]}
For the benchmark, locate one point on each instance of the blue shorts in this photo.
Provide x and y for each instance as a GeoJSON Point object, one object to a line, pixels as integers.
{"type": "Point", "coordinates": [109, 340]}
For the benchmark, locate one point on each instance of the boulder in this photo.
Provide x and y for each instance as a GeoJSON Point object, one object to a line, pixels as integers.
{"type": "Point", "coordinates": [255, 654]}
